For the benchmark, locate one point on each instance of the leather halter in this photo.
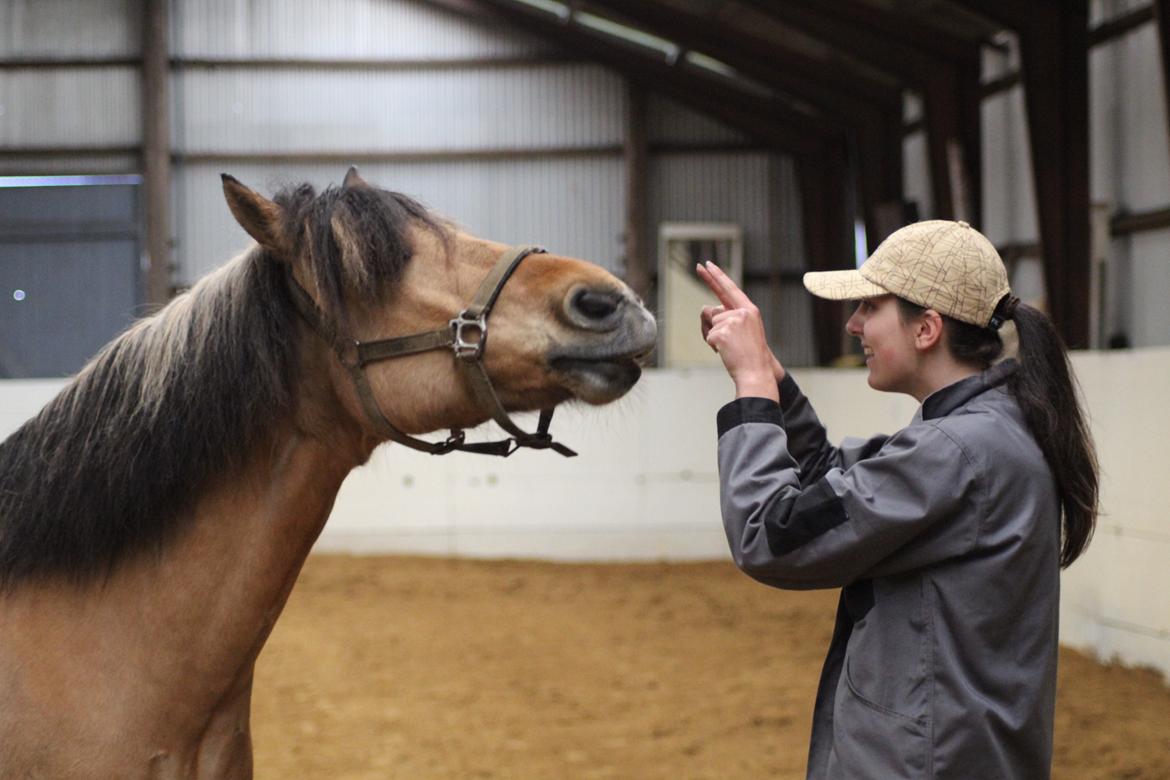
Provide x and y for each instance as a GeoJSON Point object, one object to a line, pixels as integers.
{"type": "Point", "coordinates": [466, 337]}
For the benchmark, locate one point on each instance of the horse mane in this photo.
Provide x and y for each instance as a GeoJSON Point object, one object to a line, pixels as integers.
{"type": "Point", "coordinates": [110, 467]}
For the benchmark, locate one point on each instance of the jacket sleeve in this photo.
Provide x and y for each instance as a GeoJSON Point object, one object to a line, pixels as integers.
{"type": "Point", "coordinates": [807, 441]}
{"type": "Point", "coordinates": [882, 515]}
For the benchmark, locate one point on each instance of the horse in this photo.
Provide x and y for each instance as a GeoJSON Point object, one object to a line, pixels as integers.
{"type": "Point", "coordinates": [155, 515]}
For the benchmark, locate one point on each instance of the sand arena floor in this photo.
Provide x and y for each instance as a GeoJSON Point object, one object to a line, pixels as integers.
{"type": "Point", "coordinates": [435, 668]}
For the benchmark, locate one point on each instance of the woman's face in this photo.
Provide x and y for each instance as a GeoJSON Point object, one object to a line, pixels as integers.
{"type": "Point", "coordinates": [888, 344]}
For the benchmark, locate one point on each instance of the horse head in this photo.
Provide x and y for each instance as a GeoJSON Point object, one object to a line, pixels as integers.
{"type": "Point", "coordinates": [379, 267]}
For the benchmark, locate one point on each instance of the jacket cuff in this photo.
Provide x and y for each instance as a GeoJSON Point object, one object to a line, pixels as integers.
{"type": "Point", "coordinates": [748, 410]}
{"type": "Point", "coordinates": [789, 391]}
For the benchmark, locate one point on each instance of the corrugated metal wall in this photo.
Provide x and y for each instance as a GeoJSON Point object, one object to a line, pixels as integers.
{"type": "Point", "coordinates": [69, 106]}
{"type": "Point", "coordinates": [485, 128]}
{"type": "Point", "coordinates": [571, 206]}
{"type": "Point", "coordinates": [70, 28]}
{"type": "Point", "coordinates": [669, 122]}
{"type": "Point", "coordinates": [337, 29]}
{"type": "Point", "coordinates": [305, 110]}
{"type": "Point", "coordinates": [1009, 207]}
{"type": "Point", "coordinates": [571, 198]}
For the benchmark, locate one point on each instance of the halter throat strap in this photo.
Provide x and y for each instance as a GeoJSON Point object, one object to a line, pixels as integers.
{"type": "Point", "coordinates": [466, 336]}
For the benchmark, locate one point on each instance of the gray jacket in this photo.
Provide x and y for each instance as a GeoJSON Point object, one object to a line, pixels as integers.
{"type": "Point", "coordinates": [945, 539]}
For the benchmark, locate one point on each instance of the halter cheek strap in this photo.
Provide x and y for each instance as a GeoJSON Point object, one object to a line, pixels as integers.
{"type": "Point", "coordinates": [466, 336]}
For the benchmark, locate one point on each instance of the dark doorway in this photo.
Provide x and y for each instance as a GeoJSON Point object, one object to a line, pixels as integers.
{"type": "Point", "coordinates": [69, 270]}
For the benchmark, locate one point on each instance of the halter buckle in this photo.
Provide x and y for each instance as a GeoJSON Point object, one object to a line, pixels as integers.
{"type": "Point", "coordinates": [465, 347]}
{"type": "Point", "coordinates": [453, 442]}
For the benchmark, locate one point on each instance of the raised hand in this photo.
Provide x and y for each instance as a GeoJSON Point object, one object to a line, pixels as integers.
{"type": "Point", "coordinates": [706, 319]}
{"type": "Point", "coordinates": [735, 330]}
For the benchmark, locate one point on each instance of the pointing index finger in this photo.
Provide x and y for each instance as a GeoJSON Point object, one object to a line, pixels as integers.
{"type": "Point", "coordinates": [721, 284]}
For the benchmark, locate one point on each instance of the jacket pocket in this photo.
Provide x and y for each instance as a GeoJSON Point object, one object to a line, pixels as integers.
{"type": "Point", "coordinates": [872, 741]}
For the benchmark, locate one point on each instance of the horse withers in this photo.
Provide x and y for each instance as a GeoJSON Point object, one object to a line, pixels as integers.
{"type": "Point", "coordinates": [156, 513]}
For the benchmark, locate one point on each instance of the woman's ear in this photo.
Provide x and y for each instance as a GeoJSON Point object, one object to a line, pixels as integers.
{"type": "Point", "coordinates": [260, 217]}
{"type": "Point", "coordinates": [928, 330]}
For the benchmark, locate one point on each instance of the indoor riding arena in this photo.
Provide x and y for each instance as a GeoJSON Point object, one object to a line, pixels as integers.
{"type": "Point", "coordinates": [434, 614]}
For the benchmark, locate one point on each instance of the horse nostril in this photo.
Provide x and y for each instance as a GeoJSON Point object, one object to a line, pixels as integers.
{"type": "Point", "coordinates": [596, 304]}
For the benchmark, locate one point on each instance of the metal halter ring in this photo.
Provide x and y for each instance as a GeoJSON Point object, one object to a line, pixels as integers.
{"type": "Point", "coordinates": [465, 349]}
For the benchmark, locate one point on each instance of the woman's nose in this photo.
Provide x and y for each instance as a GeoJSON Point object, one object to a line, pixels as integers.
{"type": "Point", "coordinates": [853, 326]}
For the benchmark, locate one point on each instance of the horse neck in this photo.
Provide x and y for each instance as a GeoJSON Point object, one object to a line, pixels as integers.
{"type": "Point", "coordinates": [220, 587]}
{"type": "Point", "coordinates": [164, 647]}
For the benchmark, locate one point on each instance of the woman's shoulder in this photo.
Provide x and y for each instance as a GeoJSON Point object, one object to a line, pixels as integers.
{"type": "Point", "coordinates": [991, 426]}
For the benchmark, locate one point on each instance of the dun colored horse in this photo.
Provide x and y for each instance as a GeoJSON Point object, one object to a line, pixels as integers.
{"type": "Point", "coordinates": [155, 515]}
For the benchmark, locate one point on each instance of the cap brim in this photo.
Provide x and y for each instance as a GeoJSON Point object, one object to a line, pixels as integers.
{"type": "Point", "coordinates": [841, 285]}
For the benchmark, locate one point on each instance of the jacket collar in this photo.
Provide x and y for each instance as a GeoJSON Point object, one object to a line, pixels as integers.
{"type": "Point", "coordinates": [942, 402]}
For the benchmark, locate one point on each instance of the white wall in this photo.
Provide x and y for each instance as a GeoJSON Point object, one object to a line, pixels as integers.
{"type": "Point", "coordinates": [645, 484]}
{"type": "Point", "coordinates": [645, 487]}
{"type": "Point", "coordinates": [1115, 597]}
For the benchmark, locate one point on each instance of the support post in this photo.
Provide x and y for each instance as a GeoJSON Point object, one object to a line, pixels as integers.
{"type": "Point", "coordinates": [1055, 60]}
{"type": "Point", "coordinates": [826, 236]}
{"type": "Point", "coordinates": [1162, 16]}
{"type": "Point", "coordinates": [635, 150]}
{"type": "Point", "coordinates": [156, 152]}
{"type": "Point", "coordinates": [1054, 52]}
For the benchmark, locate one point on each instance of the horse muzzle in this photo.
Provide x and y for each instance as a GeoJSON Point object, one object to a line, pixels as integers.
{"type": "Point", "coordinates": [607, 362]}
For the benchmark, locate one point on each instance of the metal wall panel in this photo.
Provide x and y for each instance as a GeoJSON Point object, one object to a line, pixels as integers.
{"type": "Point", "coordinates": [70, 28]}
{"type": "Point", "coordinates": [1149, 272]}
{"type": "Point", "coordinates": [916, 174]}
{"type": "Point", "coordinates": [1137, 150]}
{"type": "Point", "coordinates": [1104, 10]}
{"type": "Point", "coordinates": [715, 187]}
{"type": "Point", "coordinates": [671, 122]}
{"type": "Point", "coordinates": [571, 206]}
{"type": "Point", "coordinates": [360, 110]}
{"type": "Point", "coordinates": [335, 29]}
{"type": "Point", "coordinates": [1009, 201]}
{"type": "Point", "coordinates": [70, 107]}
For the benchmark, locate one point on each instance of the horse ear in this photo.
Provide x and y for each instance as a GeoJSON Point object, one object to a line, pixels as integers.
{"type": "Point", "coordinates": [256, 214]}
{"type": "Point", "coordinates": [353, 179]}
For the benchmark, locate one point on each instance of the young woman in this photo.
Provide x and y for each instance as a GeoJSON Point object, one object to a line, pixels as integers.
{"type": "Point", "coordinates": [946, 538]}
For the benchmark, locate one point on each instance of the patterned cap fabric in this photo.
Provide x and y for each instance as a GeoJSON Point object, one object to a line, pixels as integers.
{"type": "Point", "coordinates": [947, 266]}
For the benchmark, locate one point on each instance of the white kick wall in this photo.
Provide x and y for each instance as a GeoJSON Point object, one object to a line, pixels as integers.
{"type": "Point", "coordinates": [645, 488]}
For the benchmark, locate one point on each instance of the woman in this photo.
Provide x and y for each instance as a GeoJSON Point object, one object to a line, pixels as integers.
{"type": "Point", "coordinates": [946, 538]}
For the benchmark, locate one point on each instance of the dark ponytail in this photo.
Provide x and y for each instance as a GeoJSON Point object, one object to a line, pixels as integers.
{"type": "Point", "coordinates": [1046, 392]}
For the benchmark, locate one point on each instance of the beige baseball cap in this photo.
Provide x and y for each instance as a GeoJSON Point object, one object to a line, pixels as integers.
{"type": "Point", "coordinates": [947, 266]}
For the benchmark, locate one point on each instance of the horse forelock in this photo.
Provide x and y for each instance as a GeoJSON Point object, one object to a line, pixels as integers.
{"type": "Point", "coordinates": [111, 465]}
{"type": "Point", "coordinates": [356, 240]}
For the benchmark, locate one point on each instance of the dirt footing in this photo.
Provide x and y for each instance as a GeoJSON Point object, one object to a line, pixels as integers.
{"type": "Point", "coordinates": [437, 668]}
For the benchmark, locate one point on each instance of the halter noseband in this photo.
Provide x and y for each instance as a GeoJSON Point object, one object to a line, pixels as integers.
{"type": "Point", "coordinates": [466, 337]}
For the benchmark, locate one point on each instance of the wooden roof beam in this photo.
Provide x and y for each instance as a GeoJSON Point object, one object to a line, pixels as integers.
{"type": "Point", "coordinates": [768, 120]}
{"type": "Point", "coordinates": [950, 98]}
{"type": "Point", "coordinates": [875, 122]}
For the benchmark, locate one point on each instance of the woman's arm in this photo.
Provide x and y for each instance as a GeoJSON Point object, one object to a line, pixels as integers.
{"type": "Point", "coordinates": [735, 330]}
{"type": "Point", "coordinates": [888, 512]}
